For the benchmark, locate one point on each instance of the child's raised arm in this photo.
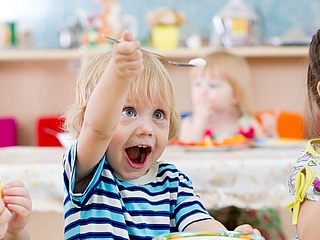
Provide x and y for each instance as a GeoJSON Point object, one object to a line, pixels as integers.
{"type": "Point", "coordinates": [106, 102]}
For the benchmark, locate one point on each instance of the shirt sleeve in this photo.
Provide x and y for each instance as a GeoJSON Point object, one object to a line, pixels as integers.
{"type": "Point", "coordinates": [69, 166]}
{"type": "Point", "coordinates": [189, 208]}
{"type": "Point", "coordinates": [308, 158]}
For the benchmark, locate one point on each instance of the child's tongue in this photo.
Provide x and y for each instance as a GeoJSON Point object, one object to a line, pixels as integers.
{"type": "Point", "coordinates": [138, 155]}
{"type": "Point", "coordinates": [134, 154]}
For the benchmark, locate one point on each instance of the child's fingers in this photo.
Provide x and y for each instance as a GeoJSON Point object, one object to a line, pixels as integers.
{"type": "Point", "coordinates": [127, 36]}
{"type": "Point", "coordinates": [247, 229]}
{"type": "Point", "coordinates": [5, 214]}
{"type": "Point", "coordinates": [127, 57]}
{"type": "Point", "coordinates": [256, 231]}
{"type": "Point", "coordinates": [17, 198]}
{"type": "Point", "coordinates": [128, 48]}
{"type": "Point", "coordinates": [23, 210]}
{"type": "Point", "coordinates": [15, 183]}
{"type": "Point", "coordinates": [12, 189]}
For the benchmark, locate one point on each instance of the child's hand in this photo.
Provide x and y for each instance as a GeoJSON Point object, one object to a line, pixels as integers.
{"type": "Point", "coordinates": [18, 201]}
{"type": "Point", "coordinates": [5, 216]}
{"type": "Point", "coordinates": [247, 229]}
{"type": "Point", "coordinates": [127, 56]}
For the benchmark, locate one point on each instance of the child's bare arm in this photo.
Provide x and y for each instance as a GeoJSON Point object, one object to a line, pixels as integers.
{"type": "Point", "coordinates": [106, 103]}
{"type": "Point", "coordinates": [214, 225]}
{"type": "Point", "coordinates": [308, 220]}
{"type": "Point", "coordinates": [206, 225]}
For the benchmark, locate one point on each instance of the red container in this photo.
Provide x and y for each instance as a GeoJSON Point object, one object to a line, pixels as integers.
{"type": "Point", "coordinates": [47, 129]}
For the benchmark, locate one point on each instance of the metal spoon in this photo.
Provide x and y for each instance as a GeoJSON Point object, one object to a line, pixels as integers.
{"type": "Point", "coordinates": [180, 64]}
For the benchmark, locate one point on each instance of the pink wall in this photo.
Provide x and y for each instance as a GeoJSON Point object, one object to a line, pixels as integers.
{"type": "Point", "coordinates": [30, 89]}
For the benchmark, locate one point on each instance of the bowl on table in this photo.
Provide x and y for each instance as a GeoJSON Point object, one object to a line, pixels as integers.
{"type": "Point", "coordinates": [66, 139]}
{"type": "Point", "coordinates": [206, 235]}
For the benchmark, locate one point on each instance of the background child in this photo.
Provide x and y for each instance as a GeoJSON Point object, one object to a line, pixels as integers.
{"type": "Point", "coordinates": [123, 119]}
{"type": "Point", "coordinates": [221, 105]}
{"type": "Point", "coordinates": [221, 100]}
{"type": "Point", "coordinates": [15, 210]}
{"type": "Point", "coordinates": [304, 180]}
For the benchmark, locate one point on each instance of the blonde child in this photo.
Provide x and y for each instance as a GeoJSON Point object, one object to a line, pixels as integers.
{"type": "Point", "coordinates": [221, 102]}
{"type": "Point", "coordinates": [15, 210]}
{"type": "Point", "coordinates": [123, 118]}
{"type": "Point", "coordinates": [221, 107]}
{"type": "Point", "coordinates": [304, 180]}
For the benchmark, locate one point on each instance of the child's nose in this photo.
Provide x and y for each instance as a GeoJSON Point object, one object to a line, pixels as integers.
{"type": "Point", "coordinates": [145, 127]}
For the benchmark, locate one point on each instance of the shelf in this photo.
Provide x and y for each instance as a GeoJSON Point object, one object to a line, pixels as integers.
{"type": "Point", "coordinates": [178, 53]}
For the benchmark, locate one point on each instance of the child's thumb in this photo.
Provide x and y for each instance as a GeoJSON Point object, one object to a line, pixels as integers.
{"type": "Point", "coordinates": [127, 36]}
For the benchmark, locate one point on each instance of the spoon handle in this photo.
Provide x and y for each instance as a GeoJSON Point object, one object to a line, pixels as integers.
{"type": "Point", "coordinates": [180, 64]}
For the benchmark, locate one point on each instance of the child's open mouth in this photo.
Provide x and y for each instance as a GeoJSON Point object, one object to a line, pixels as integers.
{"type": "Point", "coordinates": [138, 155]}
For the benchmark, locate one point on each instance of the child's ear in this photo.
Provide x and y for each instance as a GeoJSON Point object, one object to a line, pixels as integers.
{"type": "Point", "coordinates": [318, 88]}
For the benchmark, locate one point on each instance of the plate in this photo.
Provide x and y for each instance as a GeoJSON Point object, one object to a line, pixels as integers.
{"type": "Point", "coordinates": [279, 143]}
{"type": "Point", "coordinates": [204, 235]}
{"type": "Point", "coordinates": [236, 142]}
{"type": "Point", "coordinates": [66, 139]}
{"type": "Point", "coordinates": [215, 148]}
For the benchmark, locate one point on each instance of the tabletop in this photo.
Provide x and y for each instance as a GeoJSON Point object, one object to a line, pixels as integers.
{"type": "Point", "coordinates": [254, 177]}
{"type": "Point", "coordinates": [40, 169]}
{"type": "Point", "coordinates": [245, 177]}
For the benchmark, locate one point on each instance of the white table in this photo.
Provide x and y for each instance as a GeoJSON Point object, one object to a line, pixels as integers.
{"type": "Point", "coordinates": [255, 177]}
{"type": "Point", "coordinates": [244, 178]}
{"type": "Point", "coordinates": [40, 168]}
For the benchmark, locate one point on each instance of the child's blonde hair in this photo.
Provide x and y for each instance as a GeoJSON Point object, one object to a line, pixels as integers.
{"type": "Point", "coordinates": [236, 71]}
{"type": "Point", "coordinates": [154, 85]}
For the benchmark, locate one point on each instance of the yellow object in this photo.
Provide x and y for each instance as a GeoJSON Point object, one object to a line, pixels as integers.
{"type": "Point", "coordinates": [1, 188]}
{"type": "Point", "coordinates": [240, 26]}
{"type": "Point", "coordinates": [303, 181]}
{"type": "Point", "coordinates": [237, 139]}
{"type": "Point", "coordinates": [165, 36]}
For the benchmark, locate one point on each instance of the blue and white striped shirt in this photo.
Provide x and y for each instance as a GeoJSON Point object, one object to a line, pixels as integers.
{"type": "Point", "coordinates": [160, 202]}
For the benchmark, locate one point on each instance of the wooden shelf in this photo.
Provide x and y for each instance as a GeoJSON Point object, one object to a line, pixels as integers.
{"type": "Point", "coordinates": [178, 53]}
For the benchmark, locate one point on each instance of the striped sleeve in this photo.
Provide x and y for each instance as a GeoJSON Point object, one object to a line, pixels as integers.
{"type": "Point", "coordinates": [188, 207]}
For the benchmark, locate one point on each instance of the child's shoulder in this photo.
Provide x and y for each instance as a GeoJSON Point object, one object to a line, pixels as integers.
{"type": "Point", "coordinates": [166, 168]}
{"type": "Point", "coordinates": [313, 147]}
{"type": "Point", "coordinates": [310, 155]}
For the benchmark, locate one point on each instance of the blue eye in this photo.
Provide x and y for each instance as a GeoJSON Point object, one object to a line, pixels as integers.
{"type": "Point", "coordinates": [128, 111]}
{"type": "Point", "coordinates": [198, 84]}
{"type": "Point", "coordinates": [213, 85]}
{"type": "Point", "coordinates": [158, 114]}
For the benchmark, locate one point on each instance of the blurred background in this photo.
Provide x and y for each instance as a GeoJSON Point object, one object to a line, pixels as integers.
{"type": "Point", "coordinates": [37, 84]}
{"type": "Point", "coordinates": [39, 23]}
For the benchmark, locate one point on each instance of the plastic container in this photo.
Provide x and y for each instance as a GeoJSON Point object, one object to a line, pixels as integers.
{"type": "Point", "coordinates": [206, 235]}
{"type": "Point", "coordinates": [165, 36]}
{"type": "Point", "coordinates": [8, 132]}
{"type": "Point", "coordinates": [236, 24]}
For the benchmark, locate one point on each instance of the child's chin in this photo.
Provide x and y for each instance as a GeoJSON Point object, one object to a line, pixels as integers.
{"type": "Point", "coordinates": [131, 176]}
